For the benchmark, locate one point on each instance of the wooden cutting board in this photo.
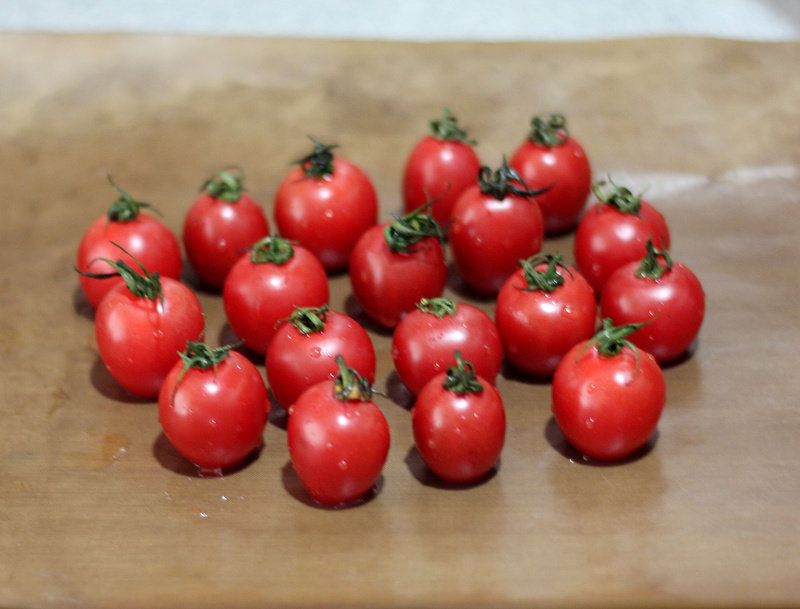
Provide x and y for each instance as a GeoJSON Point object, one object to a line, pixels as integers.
{"type": "Point", "coordinates": [96, 508]}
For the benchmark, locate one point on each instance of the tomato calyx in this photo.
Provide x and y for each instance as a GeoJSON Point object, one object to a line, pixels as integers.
{"type": "Point", "coordinates": [201, 356]}
{"type": "Point", "coordinates": [447, 129]}
{"type": "Point", "coordinates": [503, 182]}
{"type": "Point", "coordinates": [319, 163]}
{"type": "Point", "coordinates": [438, 307]}
{"type": "Point", "coordinates": [547, 280]}
{"type": "Point", "coordinates": [548, 130]}
{"type": "Point", "coordinates": [350, 386]}
{"type": "Point", "coordinates": [144, 285]}
{"type": "Point", "coordinates": [611, 340]}
{"type": "Point", "coordinates": [225, 185]}
{"type": "Point", "coordinates": [619, 197]}
{"type": "Point", "coordinates": [405, 232]}
{"type": "Point", "coordinates": [125, 208]}
{"type": "Point", "coordinates": [461, 378]}
{"type": "Point", "coordinates": [649, 267]}
{"type": "Point", "coordinates": [273, 249]}
{"type": "Point", "coordinates": [309, 319]}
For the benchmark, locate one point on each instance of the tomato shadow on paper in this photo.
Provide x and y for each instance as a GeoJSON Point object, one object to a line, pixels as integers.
{"type": "Point", "coordinates": [293, 485]}
{"type": "Point", "coordinates": [108, 386]}
{"type": "Point", "coordinates": [354, 310]}
{"type": "Point", "coordinates": [80, 304]}
{"type": "Point", "coordinates": [459, 287]}
{"type": "Point", "coordinates": [423, 474]}
{"type": "Point", "coordinates": [397, 392]}
{"type": "Point", "coordinates": [169, 458]}
{"type": "Point", "coordinates": [556, 439]}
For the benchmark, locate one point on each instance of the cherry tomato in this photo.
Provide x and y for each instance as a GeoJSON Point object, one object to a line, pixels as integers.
{"type": "Point", "coordinates": [338, 438]}
{"type": "Point", "coordinates": [220, 225]}
{"type": "Point", "coordinates": [459, 424]}
{"type": "Point", "coordinates": [304, 349]}
{"type": "Point", "coordinates": [495, 223]}
{"type": "Point", "coordinates": [145, 239]}
{"type": "Point", "coordinates": [325, 204]}
{"type": "Point", "coordinates": [142, 325]}
{"type": "Point", "coordinates": [213, 407]}
{"type": "Point", "coordinates": [425, 339]}
{"type": "Point", "coordinates": [542, 310]}
{"type": "Point", "coordinates": [666, 295]}
{"type": "Point", "coordinates": [614, 232]}
{"type": "Point", "coordinates": [263, 288]}
{"type": "Point", "coordinates": [550, 157]}
{"type": "Point", "coordinates": [440, 167]}
{"type": "Point", "coordinates": [395, 264]}
{"type": "Point", "coordinates": [608, 395]}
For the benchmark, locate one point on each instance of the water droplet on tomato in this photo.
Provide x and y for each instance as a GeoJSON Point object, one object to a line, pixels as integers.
{"type": "Point", "coordinates": [342, 465]}
{"type": "Point", "coordinates": [316, 352]}
{"type": "Point", "coordinates": [589, 423]}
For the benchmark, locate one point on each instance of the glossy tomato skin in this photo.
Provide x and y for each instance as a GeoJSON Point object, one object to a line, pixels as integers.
{"type": "Point", "coordinates": [488, 237]}
{"type": "Point", "coordinates": [423, 344]}
{"type": "Point", "coordinates": [216, 234]}
{"type": "Point", "coordinates": [146, 238]}
{"type": "Point", "coordinates": [327, 215]}
{"type": "Point", "coordinates": [438, 170]}
{"type": "Point", "coordinates": [607, 238]}
{"type": "Point", "coordinates": [338, 448]}
{"type": "Point", "coordinates": [460, 437]}
{"type": "Point", "coordinates": [536, 327]}
{"type": "Point", "coordinates": [214, 418]}
{"type": "Point", "coordinates": [673, 307]}
{"type": "Point", "coordinates": [257, 295]}
{"type": "Point", "coordinates": [565, 170]}
{"type": "Point", "coordinates": [388, 284]}
{"type": "Point", "coordinates": [296, 361]}
{"type": "Point", "coordinates": [607, 407]}
{"type": "Point", "coordinates": [139, 339]}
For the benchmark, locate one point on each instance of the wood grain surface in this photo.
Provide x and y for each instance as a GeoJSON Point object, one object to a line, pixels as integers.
{"type": "Point", "coordinates": [97, 510]}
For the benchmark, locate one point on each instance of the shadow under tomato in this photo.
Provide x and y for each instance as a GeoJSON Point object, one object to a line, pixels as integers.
{"type": "Point", "coordinates": [510, 373]}
{"type": "Point", "coordinates": [354, 310]}
{"type": "Point", "coordinates": [556, 439]}
{"type": "Point", "coordinates": [169, 458]}
{"type": "Point", "coordinates": [108, 386]}
{"type": "Point", "coordinates": [278, 415]}
{"type": "Point", "coordinates": [456, 283]}
{"type": "Point", "coordinates": [397, 392]}
{"type": "Point", "coordinates": [293, 485]}
{"type": "Point", "coordinates": [424, 475]}
{"type": "Point", "coordinates": [80, 304]}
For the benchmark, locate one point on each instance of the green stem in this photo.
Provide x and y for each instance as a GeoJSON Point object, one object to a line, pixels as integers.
{"type": "Point", "coordinates": [611, 340]}
{"type": "Point", "coordinates": [404, 233]}
{"type": "Point", "coordinates": [548, 130]}
{"type": "Point", "coordinates": [447, 129]}
{"type": "Point", "coordinates": [226, 185]}
{"type": "Point", "coordinates": [649, 268]}
{"type": "Point", "coordinates": [145, 285]}
{"type": "Point", "coordinates": [349, 385]}
{"type": "Point", "coordinates": [439, 307]}
{"type": "Point", "coordinates": [273, 249]}
{"type": "Point", "coordinates": [547, 280]}
{"type": "Point", "coordinates": [201, 356]}
{"type": "Point", "coordinates": [461, 377]}
{"type": "Point", "coordinates": [308, 320]}
{"type": "Point", "coordinates": [503, 182]}
{"type": "Point", "coordinates": [125, 208]}
{"type": "Point", "coordinates": [619, 197]}
{"type": "Point", "coordinates": [319, 163]}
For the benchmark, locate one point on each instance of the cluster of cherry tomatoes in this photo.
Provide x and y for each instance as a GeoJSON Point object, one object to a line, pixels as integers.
{"type": "Point", "coordinates": [608, 391]}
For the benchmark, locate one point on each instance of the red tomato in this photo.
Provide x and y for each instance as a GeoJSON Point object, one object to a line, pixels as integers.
{"type": "Point", "coordinates": [145, 239]}
{"type": "Point", "coordinates": [304, 349]}
{"type": "Point", "coordinates": [395, 264]}
{"type": "Point", "coordinates": [608, 395]}
{"type": "Point", "coordinates": [142, 325]}
{"type": "Point", "coordinates": [666, 295]}
{"type": "Point", "coordinates": [542, 311]}
{"type": "Point", "coordinates": [325, 204]}
{"type": "Point", "coordinates": [220, 226]}
{"type": "Point", "coordinates": [550, 157]}
{"type": "Point", "coordinates": [614, 232]}
{"type": "Point", "coordinates": [338, 439]}
{"type": "Point", "coordinates": [425, 339]}
{"type": "Point", "coordinates": [440, 167]}
{"type": "Point", "coordinates": [459, 424]}
{"type": "Point", "coordinates": [263, 288]}
{"type": "Point", "coordinates": [495, 223]}
{"type": "Point", "coordinates": [213, 407]}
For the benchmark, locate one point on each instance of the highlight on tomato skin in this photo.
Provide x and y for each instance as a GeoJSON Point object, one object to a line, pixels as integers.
{"type": "Point", "coordinates": [608, 395]}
